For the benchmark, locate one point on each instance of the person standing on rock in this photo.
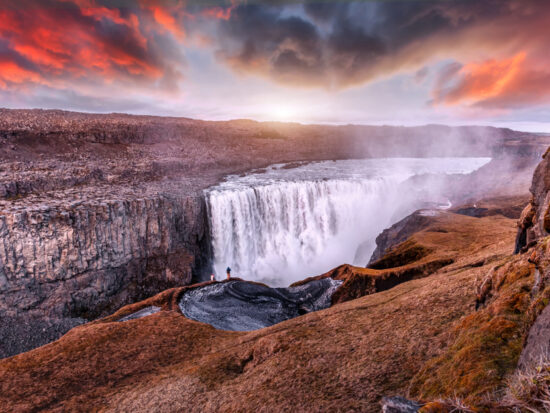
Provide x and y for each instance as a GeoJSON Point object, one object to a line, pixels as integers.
{"type": "Point", "coordinates": [228, 273]}
{"type": "Point", "coordinates": [212, 277]}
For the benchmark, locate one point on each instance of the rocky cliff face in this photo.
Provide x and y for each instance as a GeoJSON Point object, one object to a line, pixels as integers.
{"type": "Point", "coordinates": [534, 222]}
{"type": "Point", "coordinates": [65, 264]}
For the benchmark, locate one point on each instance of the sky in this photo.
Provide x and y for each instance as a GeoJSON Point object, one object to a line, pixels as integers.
{"type": "Point", "coordinates": [406, 62]}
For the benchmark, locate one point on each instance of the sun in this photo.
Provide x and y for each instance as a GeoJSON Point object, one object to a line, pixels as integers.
{"type": "Point", "coordinates": [282, 112]}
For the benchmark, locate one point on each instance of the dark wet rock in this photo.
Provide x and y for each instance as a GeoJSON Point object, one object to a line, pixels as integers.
{"type": "Point", "coordinates": [245, 306]}
{"type": "Point", "coordinates": [144, 312]}
{"type": "Point", "coordinates": [399, 233]}
{"type": "Point", "coordinates": [473, 212]}
{"type": "Point", "coordinates": [399, 405]}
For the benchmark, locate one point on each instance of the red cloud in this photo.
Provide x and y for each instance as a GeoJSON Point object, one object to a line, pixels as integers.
{"type": "Point", "coordinates": [167, 21]}
{"type": "Point", "coordinates": [12, 73]}
{"type": "Point", "coordinates": [220, 13]}
{"type": "Point", "coordinates": [73, 40]}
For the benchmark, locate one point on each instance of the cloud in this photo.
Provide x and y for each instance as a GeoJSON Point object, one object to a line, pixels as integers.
{"type": "Point", "coordinates": [167, 21]}
{"type": "Point", "coordinates": [80, 43]}
{"type": "Point", "coordinates": [497, 48]}
{"type": "Point", "coordinates": [507, 83]}
{"type": "Point", "coordinates": [218, 12]}
{"type": "Point", "coordinates": [344, 44]}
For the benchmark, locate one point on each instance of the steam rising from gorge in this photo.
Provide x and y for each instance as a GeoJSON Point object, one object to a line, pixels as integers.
{"type": "Point", "coordinates": [286, 223]}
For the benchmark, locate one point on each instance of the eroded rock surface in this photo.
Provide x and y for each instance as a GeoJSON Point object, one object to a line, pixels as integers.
{"type": "Point", "coordinates": [398, 233]}
{"type": "Point", "coordinates": [398, 404]}
{"type": "Point", "coordinates": [144, 312]}
{"type": "Point", "coordinates": [246, 306]}
{"type": "Point", "coordinates": [537, 346]}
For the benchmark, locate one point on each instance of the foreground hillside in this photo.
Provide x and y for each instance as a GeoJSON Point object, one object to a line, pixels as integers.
{"type": "Point", "coordinates": [344, 358]}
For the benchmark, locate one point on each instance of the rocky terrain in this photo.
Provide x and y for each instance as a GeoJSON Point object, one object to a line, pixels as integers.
{"type": "Point", "coordinates": [101, 211]}
{"type": "Point", "coordinates": [344, 358]}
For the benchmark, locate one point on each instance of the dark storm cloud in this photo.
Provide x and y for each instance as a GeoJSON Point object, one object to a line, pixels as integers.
{"type": "Point", "coordinates": [287, 47]}
{"type": "Point", "coordinates": [330, 44]}
{"type": "Point", "coordinates": [340, 44]}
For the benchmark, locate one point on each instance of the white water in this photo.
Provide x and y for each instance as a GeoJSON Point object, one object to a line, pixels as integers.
{"type": "Point", "coordinates": [282, 225]}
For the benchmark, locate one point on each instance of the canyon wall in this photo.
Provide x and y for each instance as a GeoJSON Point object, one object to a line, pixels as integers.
{"type": "Point", "coordinates": [66, 264]}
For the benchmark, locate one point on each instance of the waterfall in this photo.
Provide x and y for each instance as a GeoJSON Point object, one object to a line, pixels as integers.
{"type": "Point", "coordinates": [283, 225]}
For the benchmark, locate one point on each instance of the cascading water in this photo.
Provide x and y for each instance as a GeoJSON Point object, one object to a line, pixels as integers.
{"type": "Point", "coordinates": [284, 224]}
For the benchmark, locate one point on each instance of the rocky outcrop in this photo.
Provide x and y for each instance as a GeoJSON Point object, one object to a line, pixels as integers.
{"type": "Point", "coordinates": [64, 264]}
{"type": "Point", "coordinates": [435, 241]}
{"type": "Point", "coordinates": [537, 345]}
{"type": "Point", "coordinates": [399, 232]}
{"type": "Point", "coordinates": [238, 305]}
{"type": "Point", "coordinates": [362, 281]}
{"type": "Point", "coordinates": [534, 222]}
{"type": "Point", "coordinates": [498, 360]}
{"type": "Point", "coordinates": [398, 404]}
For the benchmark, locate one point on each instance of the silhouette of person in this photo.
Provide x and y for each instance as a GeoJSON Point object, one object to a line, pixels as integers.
{"type": "Point", "coordinates": [228, 273]}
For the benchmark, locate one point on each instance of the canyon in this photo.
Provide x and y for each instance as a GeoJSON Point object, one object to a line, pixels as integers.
{"type": "Point", "coordinates": [99, 211]}
{"type": "Point", "coordinates": [105, 228]}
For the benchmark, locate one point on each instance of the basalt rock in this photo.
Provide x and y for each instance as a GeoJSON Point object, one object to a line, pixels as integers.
{"type": "Point", "coordinates": [534, 222]}
{"type": "Point", "coordinates": [398, 404]}
{"type": "Point", "coordinates": [244, 306]}
{"type": "Point", "coordinates": [69, 263]}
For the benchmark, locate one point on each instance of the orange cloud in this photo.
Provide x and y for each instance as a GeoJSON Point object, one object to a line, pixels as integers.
{"type": "Point", "coordinates": [168, 22]}
{"type": "Point", "coordinates": [10, 72]}
{"type": "Point", "coordinates": [74, 40]}
{"type": "Point", "coordinates": [509, 82]}
{"type": "Point", "coordinates": [480, 81]}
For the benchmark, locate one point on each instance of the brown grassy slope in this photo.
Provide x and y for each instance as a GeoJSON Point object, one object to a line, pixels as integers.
{"type": "Point", "coordinates": [341, 359]}
{"type": "Point", "coordinates": [449, 239]}
{"type": "Point", "coordinates": [487, 344]}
